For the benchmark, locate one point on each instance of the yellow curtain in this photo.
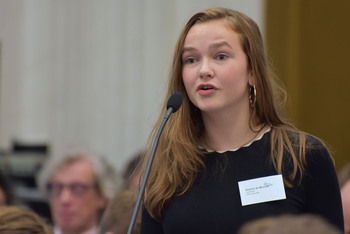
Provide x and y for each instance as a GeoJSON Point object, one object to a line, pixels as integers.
{"type": "Point", "coordinates": [309, 46]}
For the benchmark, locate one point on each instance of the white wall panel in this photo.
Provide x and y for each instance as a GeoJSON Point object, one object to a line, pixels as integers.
{"type": "Point", "coordinates": [90, 72]}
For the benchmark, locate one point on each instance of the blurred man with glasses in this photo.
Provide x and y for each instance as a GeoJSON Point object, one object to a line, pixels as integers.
{"type": "Point", "coordinates": [78, 185]}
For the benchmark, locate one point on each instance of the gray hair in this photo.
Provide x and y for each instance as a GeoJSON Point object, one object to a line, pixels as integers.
{"type": "Point", "coordinates": [107, 178]}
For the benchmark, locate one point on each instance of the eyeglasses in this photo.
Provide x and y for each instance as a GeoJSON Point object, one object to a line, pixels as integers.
{"type": "Point", "coordinates": [76, 189]}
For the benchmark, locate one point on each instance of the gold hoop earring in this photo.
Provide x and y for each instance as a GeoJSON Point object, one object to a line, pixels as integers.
{"type": "Point", "coordinates": [252, 96]}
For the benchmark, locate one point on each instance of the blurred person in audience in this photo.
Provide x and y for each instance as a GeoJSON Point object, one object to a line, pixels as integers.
{"type": "Point", "coordinates": [132, 174]}
{"type": "Point", "coordinates": [16, 220]}
{"type": "Point", "coordinates": [5, 191]}
{"type": "Point", "coordinates": [290, 224]}
{"type": "Point", "coordinates": [117, 216]}
{"type": "Point", "coordinates": [78, 185]}
{"type": "Point", "coordinates": [344, 182]}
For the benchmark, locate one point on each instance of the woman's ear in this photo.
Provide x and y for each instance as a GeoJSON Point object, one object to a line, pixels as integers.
{"type": "Point", "coordinates": [251, 79]}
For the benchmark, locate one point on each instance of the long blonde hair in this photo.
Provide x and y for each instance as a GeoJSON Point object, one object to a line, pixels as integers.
{"type": "Point", "coordinates": [178, 157]}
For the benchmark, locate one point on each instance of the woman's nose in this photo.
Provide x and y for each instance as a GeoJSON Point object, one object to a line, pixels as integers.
{"type": "Point", "coordinates": [206, 70]}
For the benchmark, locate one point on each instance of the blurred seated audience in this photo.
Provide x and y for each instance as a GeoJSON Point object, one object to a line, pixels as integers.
{"type": "Point", "coordinates": [290, 224]}
{"type": "Point", "coordinates": [132, 174]}
{"type": "Point", "coordinates": [344, 182]}
{"type": "Point", "coordinates": [78, 185]}
{"type": "Point", "coordinates": [118, 214]}
{"type": "Point", "coordinates": [16, 220]}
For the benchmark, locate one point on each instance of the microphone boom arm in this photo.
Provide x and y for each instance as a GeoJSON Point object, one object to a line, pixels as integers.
{"type": "Point", "coordinates": [148, 169]}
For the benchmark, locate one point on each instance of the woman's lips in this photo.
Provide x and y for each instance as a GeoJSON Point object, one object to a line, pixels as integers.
{"type": "Point", "coordinates": [206, 89]}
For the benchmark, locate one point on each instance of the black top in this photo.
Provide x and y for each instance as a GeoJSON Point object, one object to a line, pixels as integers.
{"type": "Point", "coordinates": [213, 204]}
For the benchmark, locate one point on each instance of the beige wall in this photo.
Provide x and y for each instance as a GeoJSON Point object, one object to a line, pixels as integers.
{"type": "Point", "coordinates": [309, 43]}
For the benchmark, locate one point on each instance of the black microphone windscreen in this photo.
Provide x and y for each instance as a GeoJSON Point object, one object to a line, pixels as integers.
{"type": "Point", "coordinates": [175, 101]}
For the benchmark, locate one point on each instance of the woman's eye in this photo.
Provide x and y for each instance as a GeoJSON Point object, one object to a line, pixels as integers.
{"type": "Point", "coordinates": [222, 56]}
{"type": "Point", "coordinates": [190, 60]}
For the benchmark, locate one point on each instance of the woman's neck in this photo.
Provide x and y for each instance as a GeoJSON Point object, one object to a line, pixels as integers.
{"type": "Point", "coordinates": [229, 131]}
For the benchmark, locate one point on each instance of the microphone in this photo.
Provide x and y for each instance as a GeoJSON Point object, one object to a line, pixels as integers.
{"type": "Point", "coordinates": [174, 103]}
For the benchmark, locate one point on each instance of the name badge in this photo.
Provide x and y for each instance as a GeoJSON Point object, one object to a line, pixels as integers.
{"type": "Point", "coordinates": [259, 190]}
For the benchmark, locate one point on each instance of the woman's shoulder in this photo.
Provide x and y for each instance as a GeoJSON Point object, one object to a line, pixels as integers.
{"type": "Point", "coordinates": [311, 141]}
{"type": "Point", "coordinates": [317, 154]}
{"type": "Point", "coordinates": [316, 150]}
{"type": "Point", "coordinates": [314, 143]}
{"type": "Point", "coordinates": [305, 141]}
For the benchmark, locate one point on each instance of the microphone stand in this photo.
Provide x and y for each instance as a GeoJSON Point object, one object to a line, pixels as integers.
{"type": "Point", "coordinates": [148, 169]}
